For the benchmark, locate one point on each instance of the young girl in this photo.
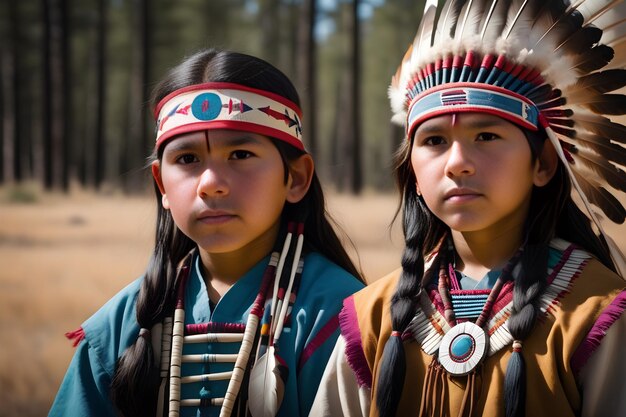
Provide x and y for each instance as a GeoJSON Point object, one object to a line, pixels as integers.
{"type": "Point", "coordinates": [236, 310]}
{"type": "Point", "coordinates": [507, 302]}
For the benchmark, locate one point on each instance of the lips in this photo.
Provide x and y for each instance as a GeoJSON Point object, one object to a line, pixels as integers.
{"type": "Point", "coordinates": [215, 216]}
{"type": "Point", "coordinates": [461, 194]}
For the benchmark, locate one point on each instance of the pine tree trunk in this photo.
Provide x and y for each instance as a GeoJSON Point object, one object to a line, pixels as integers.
{"type": "Point", "coordinates": [307, 62]}
{"type": "Point", "coordinates": [66, 58]}
{"type": "Point", "coordinates": [54, 101]}
{"type": "Point", "coordinates": [100, 133]}
{"type": "Point", "coordinates": [268, 16]}
{"type": "Point", "coordinates": [356, 185]}
{"type": "Point", "coordinates": [135, 146]}
{"type": "Point", "coordinates": [9, 96]}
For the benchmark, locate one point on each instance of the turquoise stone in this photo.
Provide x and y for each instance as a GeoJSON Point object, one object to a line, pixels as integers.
{"type": "Point", "coordinates": [462, 347]}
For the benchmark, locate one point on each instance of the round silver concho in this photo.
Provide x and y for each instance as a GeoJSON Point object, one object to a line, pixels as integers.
{"type": "Point", "coordinates": [462, 348]}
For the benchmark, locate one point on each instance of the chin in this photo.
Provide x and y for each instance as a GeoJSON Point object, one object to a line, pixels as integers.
{"type": "Point", "coordinates": [466, 224]}
{"type": "Point", "coordinates": [218, 245]}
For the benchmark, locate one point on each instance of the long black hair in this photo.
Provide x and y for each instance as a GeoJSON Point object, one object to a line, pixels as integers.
{"type": "Point", "coordinates": [552, 213]}
{"type": "Point", "coordinates": [135, 383]}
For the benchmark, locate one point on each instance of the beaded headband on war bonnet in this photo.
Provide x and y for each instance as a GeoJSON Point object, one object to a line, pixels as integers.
{"type": "Point", "coordinates": [229, 106]}
{"type": "Point", "coordinates": [547, 65]}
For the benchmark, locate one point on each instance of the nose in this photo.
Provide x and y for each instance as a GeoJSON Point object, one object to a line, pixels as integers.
{"type": "Point", "coordinates": [459, 162]}
{"type": "Point", "coordinates": [213, 182]}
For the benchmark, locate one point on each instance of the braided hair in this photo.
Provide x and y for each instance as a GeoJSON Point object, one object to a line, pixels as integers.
{"type": "Point", "coordinates": [552, 213]}
{"type": "Point", "coordinates": [134, 388]}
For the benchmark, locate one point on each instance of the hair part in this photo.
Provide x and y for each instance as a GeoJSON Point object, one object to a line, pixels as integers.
{"type": "Point", "coordinates": [134, 387]}
{"type": "Point", "coordinates": [552, 213]}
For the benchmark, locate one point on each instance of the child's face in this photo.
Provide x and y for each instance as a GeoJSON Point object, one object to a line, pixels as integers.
{"type": "Point", "coordinates": [474, 171]}
{"type": "Point", "coordinates": [225, 189]}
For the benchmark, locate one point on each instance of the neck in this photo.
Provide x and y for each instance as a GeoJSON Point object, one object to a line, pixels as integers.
{"type": "Point", "coordinates": [480, 253]}
{"type": "Point", "coordinates": [222, 270]}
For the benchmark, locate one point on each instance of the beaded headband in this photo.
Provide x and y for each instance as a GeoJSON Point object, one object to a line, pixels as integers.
{"type": "Point", "coordinates": [229, 106]}
{"type": "Point", "coordinates": [466, 97]}
{"type": "Point", "coordinates": [549, 64]}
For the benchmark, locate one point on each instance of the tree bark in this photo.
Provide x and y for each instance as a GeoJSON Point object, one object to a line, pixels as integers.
{"type": "Point", "coordinates": [9, 96]}
{"type": "Point", "coordinates": [270, 33]}
{"type": "Point", "coordinates": [68, 120]}
{"type": "Point", "coordinates": [307, 63]}
{"type": "Point", "coordinates": [100, 133]}
{"type": "Point", "coordinates": [136, 145]}
{"type": "Point", "coordinates": [355, 87]}
{"type": "Point", "coordinates": [54, 100]}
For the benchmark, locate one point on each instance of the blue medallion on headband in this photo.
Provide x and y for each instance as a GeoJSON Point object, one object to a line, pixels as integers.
{"type": "Point", "coordinates": [206, 106]}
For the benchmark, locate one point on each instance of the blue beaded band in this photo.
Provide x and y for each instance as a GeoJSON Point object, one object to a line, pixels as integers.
{"type": "Point", "coordinates": [472, 97]}
{"type": "Point", "coordinates": [468, 305]}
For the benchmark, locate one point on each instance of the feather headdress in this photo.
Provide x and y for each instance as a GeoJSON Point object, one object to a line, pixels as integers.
{"type": "Point", "coordinates": [542, 64]}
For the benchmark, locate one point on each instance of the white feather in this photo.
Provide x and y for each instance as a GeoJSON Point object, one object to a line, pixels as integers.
{"type": "Point", "coordinates": [613, 24]}
{"type": "Point", "coordinates": [266, 388]}
{"type": "Point", "coordinates": [423, 38]}
{"type": "Point", "coordinates": [590, 9]}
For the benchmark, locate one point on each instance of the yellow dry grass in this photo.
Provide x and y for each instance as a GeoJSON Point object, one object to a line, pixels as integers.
{"type": "Point", "coordinates": [62, 258]}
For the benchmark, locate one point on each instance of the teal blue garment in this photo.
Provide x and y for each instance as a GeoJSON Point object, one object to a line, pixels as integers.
{"type": "Point", "coordinates": [305, 345]}
{"type": "Point", "coordinates": [468, 283]}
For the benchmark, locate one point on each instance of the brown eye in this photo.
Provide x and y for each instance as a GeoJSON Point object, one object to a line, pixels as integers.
{"type": "Point", "coordinates": [186, 159]}
{"type": "Point", "coordinates": [487, 137]}
{"type": "Point", "coordinates": [434, 141]}
{"type": "Point", "coordinates": [241, 154]}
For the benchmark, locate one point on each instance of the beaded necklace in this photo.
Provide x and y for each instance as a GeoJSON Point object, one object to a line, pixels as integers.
{"type": "Point", "coordinates": [176, 334]}
{"type": "Point", "coordinates": [466, 344]}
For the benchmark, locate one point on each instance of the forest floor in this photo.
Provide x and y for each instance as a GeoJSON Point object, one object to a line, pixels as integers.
{"type": "Point", "coordinates": [63, 256]}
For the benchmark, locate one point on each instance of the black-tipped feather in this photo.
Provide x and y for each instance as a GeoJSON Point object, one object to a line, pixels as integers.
{"type": "Point", "coordinates": [494, 20]}
{"type": "Point", "coordinates": [521, 17]}
{"type": "Point", "coordinates": [600, 126]}
{"type": "Point", "coordinates": [424, 37]}
{"type": "Point", "coordinates": [614, 104]}
{"type": "Point", "coordinates": [568, 133]}
{"type": "Point", "coordinates": [594, 59]}
{"type": "Point", "coordinates": [610, 206]}
{"type": "Point", "coordinates": [470, 17]}
{"type": "Point", "coordinates": [614, 176]}
{"type": "Point", "coordinates": [448, 19]}
{"type": "Point", "coordinates": [603, 81]}
{"type": "Point", "coordinates": [558, 24]}
{"type": "Point", "coordinates": [611, 151]}
{"type": "Point", "coordinates": [582, 40]}
{"type": "Point", "coordinates": [540, 94]}
{"type": "Point", "coordinates": [562, 122]}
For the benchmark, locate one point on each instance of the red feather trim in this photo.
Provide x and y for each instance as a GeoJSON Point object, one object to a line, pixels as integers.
{"type": "Point", "coordinates": [76, 336]}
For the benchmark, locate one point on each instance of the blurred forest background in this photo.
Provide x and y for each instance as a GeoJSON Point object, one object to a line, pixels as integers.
{"type": "Point", "coordinates": [76, 220]}
{"type": "Point", "coordinates": [77, 76]}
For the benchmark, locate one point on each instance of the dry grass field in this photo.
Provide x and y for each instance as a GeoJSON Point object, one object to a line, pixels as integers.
{"type": "Point", "coordinates": [62, 257]}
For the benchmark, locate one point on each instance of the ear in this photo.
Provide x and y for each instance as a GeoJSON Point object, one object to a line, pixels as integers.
{"type": "Point", "coordinates": [300, 177]}
{"type": "Point", "coordinates": [545, 165]}
{"type": "Point", "coordinates": [156, 174]}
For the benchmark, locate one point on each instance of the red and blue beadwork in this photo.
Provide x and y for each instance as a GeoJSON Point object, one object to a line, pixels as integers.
{"type": "Point", "coordinates": [463, 348]}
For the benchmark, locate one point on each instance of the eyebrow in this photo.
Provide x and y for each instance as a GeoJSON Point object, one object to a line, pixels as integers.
{"type": "Point", "coordinates": [472, 124]}
{"type": "Point", "coordinates": [182, 145]}
{"type": "Point", "coordinates": [240, 140]}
